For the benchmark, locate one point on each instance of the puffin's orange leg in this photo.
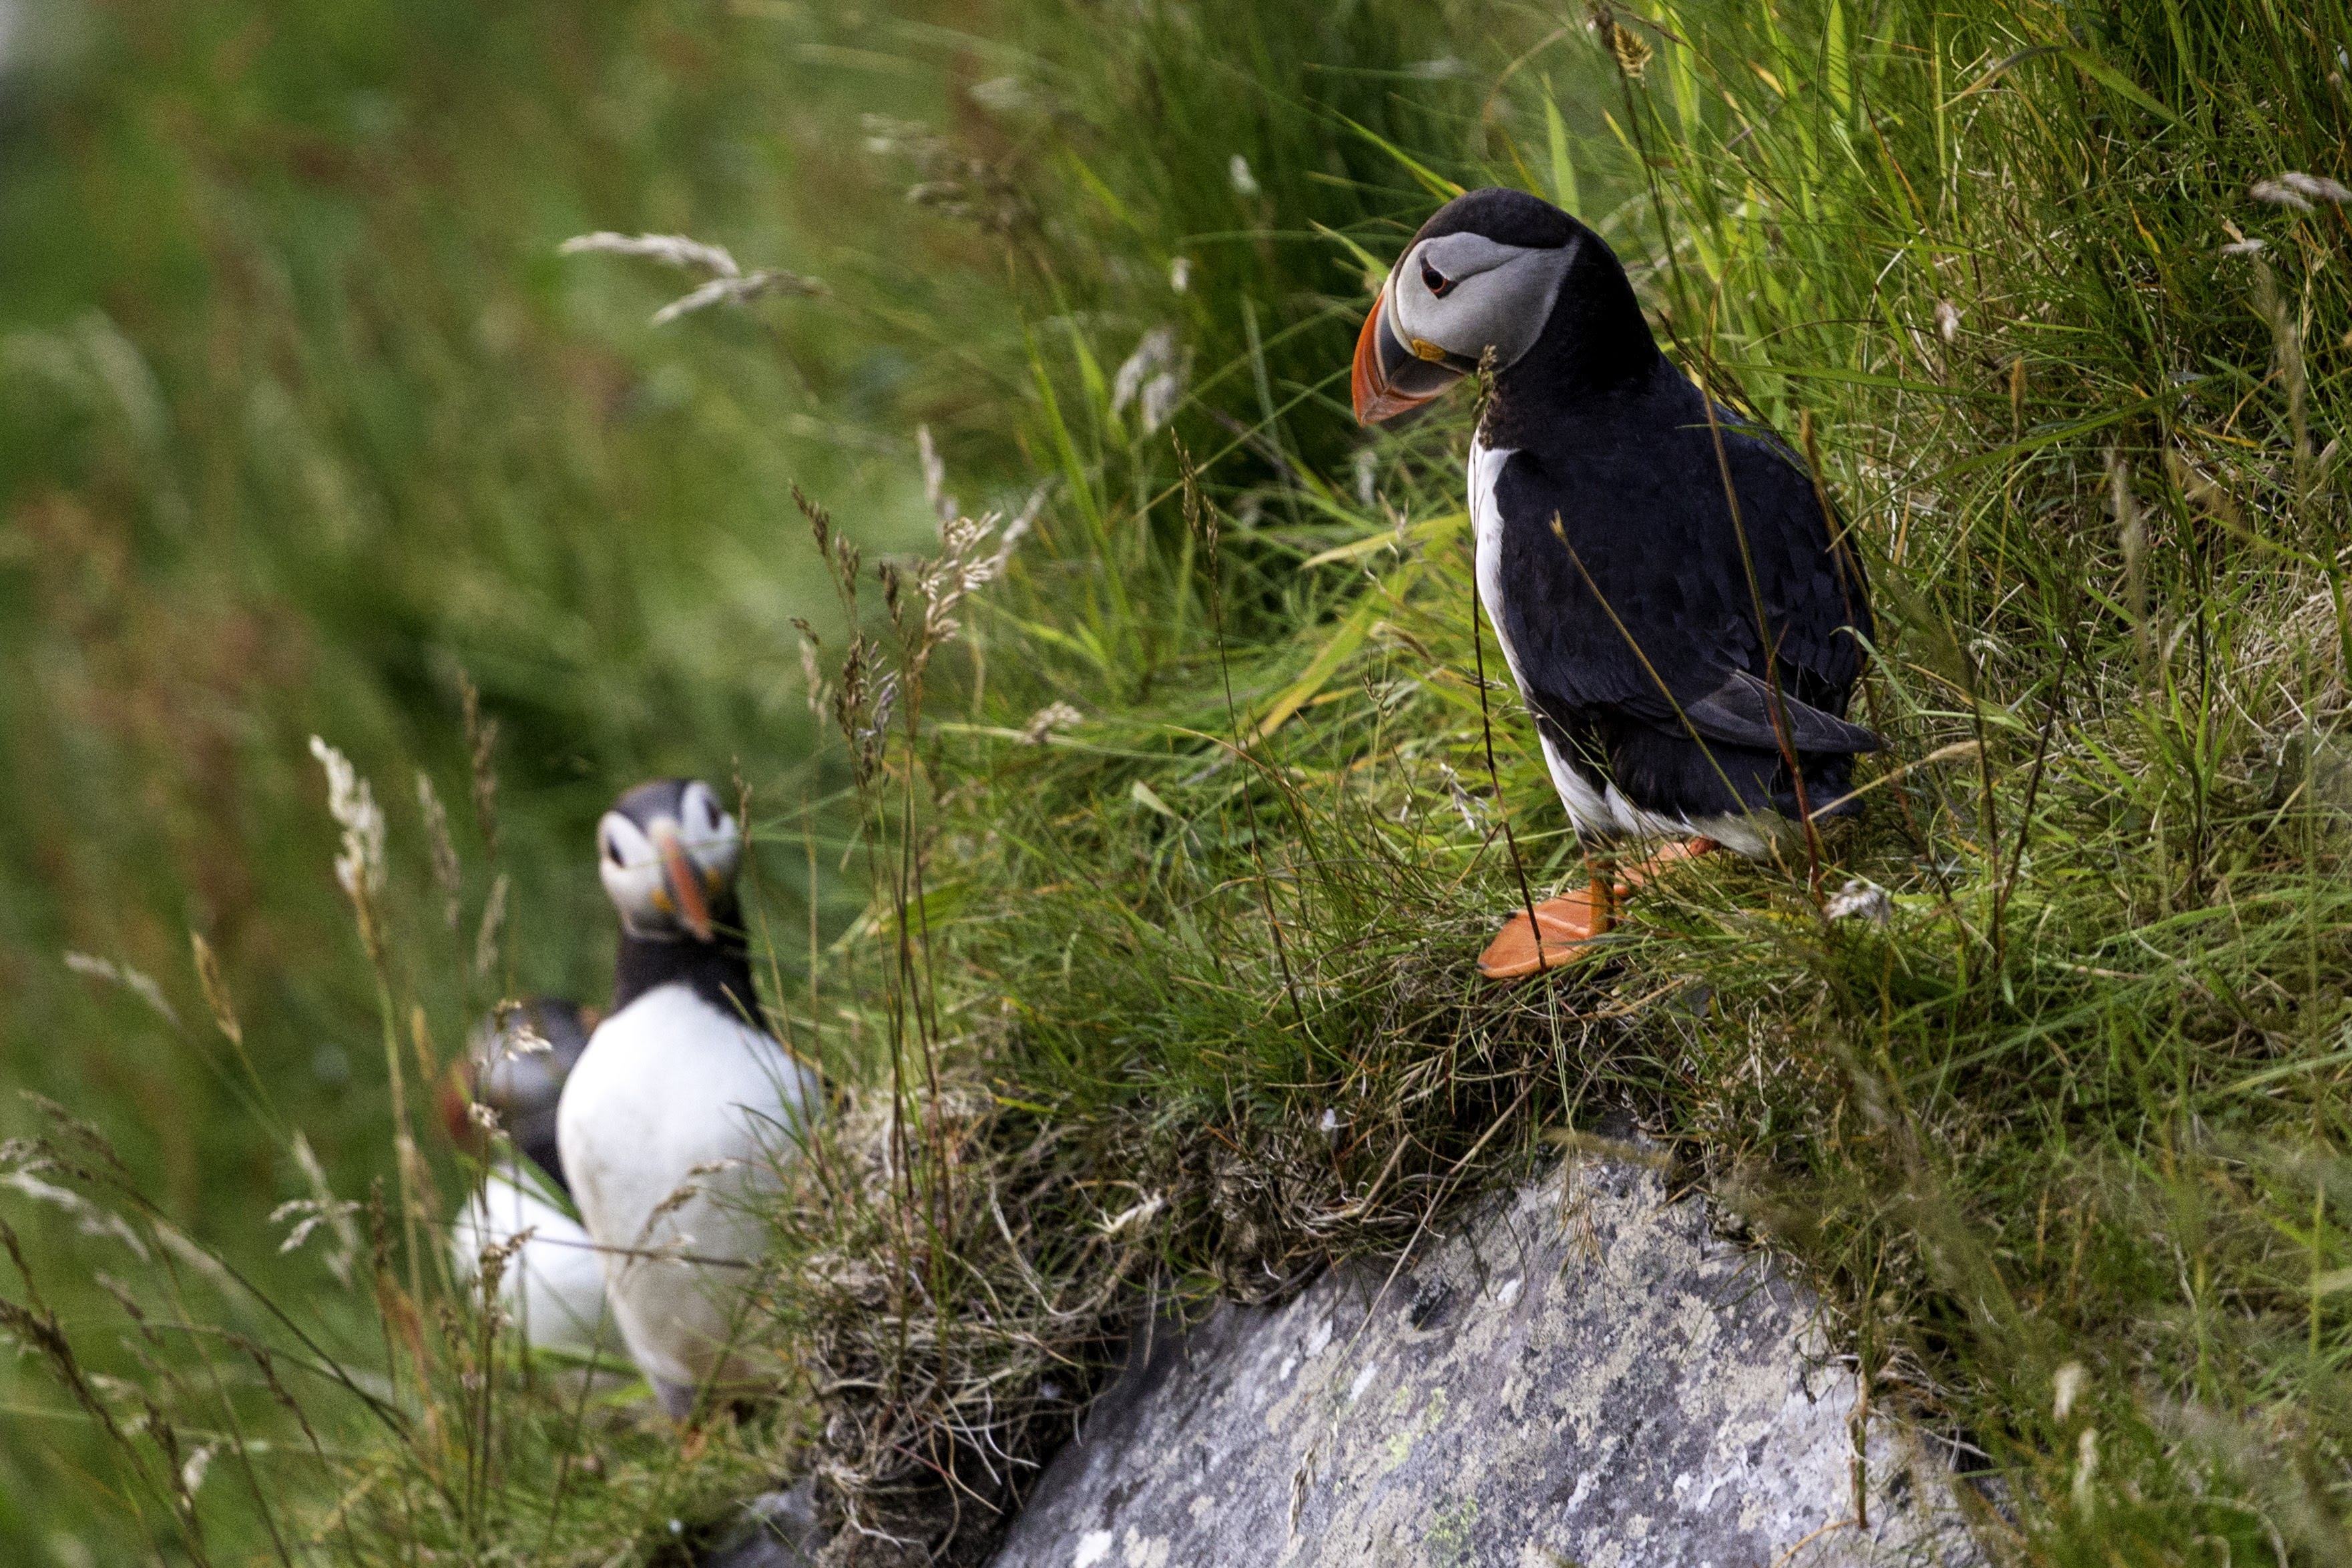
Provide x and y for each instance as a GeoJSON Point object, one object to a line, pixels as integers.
{"type": "Point", "coordinates": [1662, 859]}
{"type": "Point", "coordinates": [1569, 924]}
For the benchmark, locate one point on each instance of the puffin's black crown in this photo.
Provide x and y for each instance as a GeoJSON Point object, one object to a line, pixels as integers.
{"type": "Point", "coordinates": [656, 798]}
{"type": "Point", "coordinates": [1505, 216]}
{"type": "Point", "coordinates": [1595, 343]}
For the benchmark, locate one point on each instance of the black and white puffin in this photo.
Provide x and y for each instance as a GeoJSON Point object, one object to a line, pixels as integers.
{"type": "Point", "coordinates": [516, 1063]}
{"type": "Point", "coordinates": [683, 1103]}
{"type": "Point", "coordinates": [1681, 619]}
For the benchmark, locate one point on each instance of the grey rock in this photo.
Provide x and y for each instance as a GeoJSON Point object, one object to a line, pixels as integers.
{"type": "Point", "coordinates": [1585, 1373]}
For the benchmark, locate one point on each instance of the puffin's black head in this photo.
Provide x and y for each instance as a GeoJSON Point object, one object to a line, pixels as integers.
{"type": "Point", "coordinates": [668, 854]}
{"type": "Point", "coordinates": [1489, 269]}
{"type": "Point", "coordinates": [519, 1059]}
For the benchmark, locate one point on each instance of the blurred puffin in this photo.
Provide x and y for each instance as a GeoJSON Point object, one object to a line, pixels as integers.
{"type": "Point", "coordinates": [682, 1100]}
{"type": "Point", "coordinates": [515, 1063]}
{"type": "Point", "coordinates": [1681, 619]}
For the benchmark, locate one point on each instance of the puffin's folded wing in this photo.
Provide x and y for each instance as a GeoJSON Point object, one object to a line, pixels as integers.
{"type": "Point", "coordinates": [1742, 712]}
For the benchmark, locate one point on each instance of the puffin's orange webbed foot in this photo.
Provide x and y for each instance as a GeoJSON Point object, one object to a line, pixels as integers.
{"type": "Point", "coordinates": [1567, 923]}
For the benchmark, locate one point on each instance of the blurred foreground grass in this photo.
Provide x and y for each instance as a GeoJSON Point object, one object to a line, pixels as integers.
{"type": "Point", "coordinates": [302, 419]}
{"type": "Point", "coordinates": [1179, 854]}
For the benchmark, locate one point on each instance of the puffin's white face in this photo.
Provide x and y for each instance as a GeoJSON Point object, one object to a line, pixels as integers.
{"type": "Point", "coordinates": [662, 873]}
{"type": "Point", "coordinates": [1454, 297]}
{"type": "Point", "coordinates": [1450, 299]}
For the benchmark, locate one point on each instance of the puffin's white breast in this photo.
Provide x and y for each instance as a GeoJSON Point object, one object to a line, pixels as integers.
{"type": "Point", "coordinates": [667, 1127]}
{"type": "Point", "coordinates": [1587, 808]}
{"type": "Point", "coordinates": [1486, 527]}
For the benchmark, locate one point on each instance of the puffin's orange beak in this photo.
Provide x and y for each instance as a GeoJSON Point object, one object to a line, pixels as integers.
{"type": "Point", "coordinates": [683, 881]}
{"type": "Point", "coordinates": [1390, 376]}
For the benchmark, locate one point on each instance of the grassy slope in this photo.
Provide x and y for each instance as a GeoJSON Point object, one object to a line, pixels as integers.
{"type": "Point", "coordinates": [2077, 1102]}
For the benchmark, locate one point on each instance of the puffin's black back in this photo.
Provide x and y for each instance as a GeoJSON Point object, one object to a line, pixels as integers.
{"type": "Point", "coordinates": [535, 1127]}
{"type": "Point", "coordinates": [527, 1088]}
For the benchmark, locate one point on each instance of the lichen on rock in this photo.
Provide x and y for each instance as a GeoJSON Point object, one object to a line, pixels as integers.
{"type": "Point", "coordinates": [1584, 1373]}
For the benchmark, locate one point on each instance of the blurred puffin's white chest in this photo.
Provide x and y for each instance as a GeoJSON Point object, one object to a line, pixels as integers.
{"type": "Point", "coordinates": [669, 1087]}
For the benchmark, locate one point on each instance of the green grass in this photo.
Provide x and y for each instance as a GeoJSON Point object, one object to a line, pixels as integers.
{"type": "Point", "coordinates": [303, 418]}
{"type": "Point", "coordinates": [1200, 959]}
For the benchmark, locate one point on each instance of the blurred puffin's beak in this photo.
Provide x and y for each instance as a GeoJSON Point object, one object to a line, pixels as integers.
{"type": "Point", "coordinates": [681, 879]}
{"type": "Point", "coordinates": [454, 1099]}
{"type": "Point", "coordinates": [1391, 376]}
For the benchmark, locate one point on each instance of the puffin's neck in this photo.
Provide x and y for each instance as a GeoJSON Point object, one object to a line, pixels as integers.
{"type": "Point", "coordinates": [1595, 353]}
{"type": "Point", "coordinates": [718, 971]}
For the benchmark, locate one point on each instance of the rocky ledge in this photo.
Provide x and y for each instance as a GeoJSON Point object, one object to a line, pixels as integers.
{"type": "Point", "coordinates": [1583, 1374]}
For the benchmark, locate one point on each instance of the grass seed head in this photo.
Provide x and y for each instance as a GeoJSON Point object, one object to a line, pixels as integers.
{"type": "Point", "coordinates": [935, 478]}
{"type": "Point", "coordinates": [446, 874]}
{"type": "Point", "coordinates": [216, 990]}
{"type": "Point", "coordinates": [359, 868]}
{"type": "Point", "coordinates": [481, 741]}
{"type": "Point", "coordinates": [674, 250]}
{"type": "Point", "coordinates": [2298, 190]}
{"type": "Point", "coordinates": [137, 982]}
{"type": "Point", "coordinates": [1053, 716]}
{"type": "Point", "coordinates": [488, 937]}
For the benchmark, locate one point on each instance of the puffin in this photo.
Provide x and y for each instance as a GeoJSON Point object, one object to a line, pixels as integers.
{"type": "Point", "coordinates": [682, 1107]}
{"type": "Point", "coordinates": [515, 1063]}
{"type": "Point", "coordinates": [1683, 618]}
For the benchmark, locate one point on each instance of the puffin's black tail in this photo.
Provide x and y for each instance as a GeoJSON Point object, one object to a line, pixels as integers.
{"type": "Point", "coordinates": [1674, 774]}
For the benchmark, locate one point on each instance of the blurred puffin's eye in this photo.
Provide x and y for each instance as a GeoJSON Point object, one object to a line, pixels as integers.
{"type": "Point", "coordinates": [1436, 282]}
{"type": "Point", "coordinates": [613, 849]}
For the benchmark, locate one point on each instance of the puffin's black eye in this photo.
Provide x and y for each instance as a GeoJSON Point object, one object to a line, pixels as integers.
{"type": "Point", "coordinates": [612, 851]}
{"type": "Point", "coordinates": [1436, 282]}
{"type": "Point", "coordinates": [710, 813]}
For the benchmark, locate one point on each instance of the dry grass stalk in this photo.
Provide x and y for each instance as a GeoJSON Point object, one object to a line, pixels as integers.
{"type": "Point", "coordinates": [490, 936]}
{"type": "Point", "coordinates": [729, 283]}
